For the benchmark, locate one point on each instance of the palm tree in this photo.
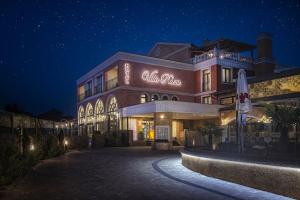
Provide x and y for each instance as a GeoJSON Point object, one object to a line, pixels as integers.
{"type": "Point", "coordinates": [283, 115]}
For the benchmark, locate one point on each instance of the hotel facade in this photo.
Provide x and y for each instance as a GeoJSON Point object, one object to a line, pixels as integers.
{"type": "Point", "coordinates": [178, 86]}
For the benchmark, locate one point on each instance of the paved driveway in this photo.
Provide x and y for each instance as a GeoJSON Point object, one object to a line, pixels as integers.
{"type": "Point", "coordinates": [123, 173]}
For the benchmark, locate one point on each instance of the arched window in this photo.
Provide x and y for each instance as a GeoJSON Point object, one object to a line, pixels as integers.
{"type": "Point", "coordinates": [112, 111]}
{"type": "Point", "coordinates": [165, 97]}
{"type": "Point", "coordinates": [174, 98]}
{"type": "Point", "coordinates": [144, 98]}
{"type": "Point", "coordinates": [89, 113]}
{"type": "Point", "coordinates": [99, 115]}
{"type": "Point", "coordinates": [154, 97]}
{"type": "Point", "coordinates": [81, 115]}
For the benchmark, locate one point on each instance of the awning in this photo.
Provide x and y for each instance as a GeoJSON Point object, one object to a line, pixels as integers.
{"type": "Point", "coordinates": [180, 110]}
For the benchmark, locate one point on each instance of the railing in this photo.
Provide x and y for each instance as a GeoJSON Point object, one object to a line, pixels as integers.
{"type": "Point", "coordinates": [221, 55]}
{"type": "Point", "coordinates": [88, 93]}
{"type": "Point", "coordinates": [98, 89]}
{"type": "Point", "coordinates": [81, 97]}
{"type": "Point", "coordinates": [112, 83]}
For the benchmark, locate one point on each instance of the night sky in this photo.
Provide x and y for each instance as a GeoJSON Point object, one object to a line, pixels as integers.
{"type": "Point", "coordinates": [47, 45]}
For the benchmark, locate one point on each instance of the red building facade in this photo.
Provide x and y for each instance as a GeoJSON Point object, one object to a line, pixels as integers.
{"type": "Point", "coordinates": [173, 88]}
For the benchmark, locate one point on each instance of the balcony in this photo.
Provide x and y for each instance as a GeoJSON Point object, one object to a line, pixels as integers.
{"type": "Point", "coordinates": [80, 97]}
{"type": "Point", "coordinates": [222, 55]}
{"type": "Point", "coordinates": [112, 83]}
{"type": "Point", "coordinates": [88, 93]}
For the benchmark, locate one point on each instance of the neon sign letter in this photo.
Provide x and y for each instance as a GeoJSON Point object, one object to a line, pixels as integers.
{"type": "Point", "coordinates": [127, 73]}
{"type": "Point", "coordinates": [164, 79]}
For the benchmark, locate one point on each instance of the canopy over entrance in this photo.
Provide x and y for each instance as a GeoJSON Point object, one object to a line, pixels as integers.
{"type": "Point", "coordinates": [179, 110]}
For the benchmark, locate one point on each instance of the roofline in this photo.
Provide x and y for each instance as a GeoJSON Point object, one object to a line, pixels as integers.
{"type": "Point", "coordinates": [168, 43]}
{"type": "Point", "coordinates": [135, 58]}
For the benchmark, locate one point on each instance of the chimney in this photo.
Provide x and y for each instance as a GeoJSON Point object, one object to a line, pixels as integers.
{"type": "Point", "coordinates": [264, 63]}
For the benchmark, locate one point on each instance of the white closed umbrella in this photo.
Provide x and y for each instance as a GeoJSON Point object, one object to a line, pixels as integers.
{"type": "Point", "coordinates": [243, 104]}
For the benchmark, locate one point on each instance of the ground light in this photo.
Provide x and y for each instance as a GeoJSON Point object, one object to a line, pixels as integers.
{"type": "Point", "coordinates": [66, 142]}
{"type": "Point", "coordinates": [31, 147]}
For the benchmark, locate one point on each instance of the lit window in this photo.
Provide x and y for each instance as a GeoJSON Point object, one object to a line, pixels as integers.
{"type": "Point", "coordinates": [226, 75]}
{"type": "Point", "coordinates": [206, 100]}
{"type": "Point", "coordinates": [174, 98]}
{"type": "Point", "coordinates": [165, 98]}
{"type": "Point", "coordinates": [81, 115]}
{"type": "Point", "coordinates": [227, 100]}
{"type": "Point", "coordinates": [154, 97]}
{"type": "Point", "coordinates": [206, 80]}
{"type": "Point", "coordinates": [143, 98]}
{"type": "Point", "coordinates": [89, 113]}
{"type": "Point", "coordinates": [112, 112]}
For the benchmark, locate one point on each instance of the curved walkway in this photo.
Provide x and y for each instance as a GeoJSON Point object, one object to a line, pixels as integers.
{"type": "Point", "coordinates": [123, 173]}
{"type": "Point", "coordinates": [173, 169]}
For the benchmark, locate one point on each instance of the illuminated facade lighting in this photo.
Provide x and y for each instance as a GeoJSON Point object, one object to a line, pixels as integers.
{"type": "Point", "coordinates": [127, 73]}
{"type": "Point", "coordinates": [164, 79]}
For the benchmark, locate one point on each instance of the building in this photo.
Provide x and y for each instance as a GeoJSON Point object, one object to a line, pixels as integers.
{"type": "Point", "coordinates": [175, 88]}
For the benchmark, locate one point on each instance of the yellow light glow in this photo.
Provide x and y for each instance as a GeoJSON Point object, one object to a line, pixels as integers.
{"type": "Point", "coordinates": [31, 147]}
{"type": "Point", "coordinates": [162, 116]}
{"type": "Point", "coordinates": [66, 142]}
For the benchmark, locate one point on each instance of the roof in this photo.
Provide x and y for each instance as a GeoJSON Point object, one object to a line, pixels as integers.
{"type": "Point", "coordinates": [168, 44]}
{"type": "Point", "coordinates": [281, 74]}
{"type": "Point", "coordinates": [229, 45]}
{"type": "Point", "coordinates": [135, 58]}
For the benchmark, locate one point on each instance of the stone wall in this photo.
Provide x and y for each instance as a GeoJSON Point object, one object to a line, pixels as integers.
{"type": "Point", "coordinates": [276, 179]}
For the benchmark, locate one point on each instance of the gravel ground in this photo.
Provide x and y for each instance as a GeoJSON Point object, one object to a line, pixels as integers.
{"type": "Point", "coordinates": [123, 173]}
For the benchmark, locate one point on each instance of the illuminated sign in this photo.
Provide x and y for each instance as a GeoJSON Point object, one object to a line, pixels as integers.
{"type": "Point", "coordinates": [164, 79]}
{"type": "Point", "coordinates": [127, 73]}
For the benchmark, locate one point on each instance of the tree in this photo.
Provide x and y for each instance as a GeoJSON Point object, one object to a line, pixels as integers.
{"type": "Point", "coordinates": [283, 115]}
{"type": "Point", "coordinates": [212, 130]}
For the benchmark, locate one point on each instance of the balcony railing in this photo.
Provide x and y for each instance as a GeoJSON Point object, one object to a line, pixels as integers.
{"type": "Point", "coordinates": [221, 55]}
{"type": "Point", "coordinates": [88, 93]}
{"type": "Point", "coordinates": [98, 89]}
{"type": "Point", "coordinates": [112, 83]}
{"type": "Point", "coordinates": [81, 97]}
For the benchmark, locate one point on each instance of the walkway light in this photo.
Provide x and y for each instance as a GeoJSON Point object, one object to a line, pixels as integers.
{"type": "Point", "coordinates": [66, 142]}
{"type": "Point", "coordinates": [31, 147]}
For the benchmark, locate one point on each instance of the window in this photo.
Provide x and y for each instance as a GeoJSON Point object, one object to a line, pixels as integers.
{"type": "Point", "coordinates": [162, 132]}
{"type": "Point", "coordinates": [80, 93]}
{"type": "Point", "coordinates": [206, 80]}
{"type": "Point", "coordinates": [143, 98]}
{"type": "Point", "coordinates": [111, 78]}
{"type": "Point", "coordinates": [206, 100]}
{"type": "Point", "coordinates": [89, 113]}
{"type": "Point", "coordinates": [81, 115]}
{"type": "Point", "coordinates": [100, 116]}
{"type": "Point", "coordinates": [226, 75]}
{"type": "Point", "coordinates": [165, 97]}
{"type": "Point", "coordinates": [174, 98]}
{"type": "Point", "coordinates": [112, 111]}
{"type": "Point", "coordinates": [227, 100]}
{"type": "Point", "coordinates": [88, 89]}
{"type": "Point", "coordinates": [99, 84]}
{"type": "Point", "coordinates": [154, 97]}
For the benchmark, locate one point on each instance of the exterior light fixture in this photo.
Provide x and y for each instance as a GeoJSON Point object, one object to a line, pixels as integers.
{"type": "Point", "coordinates": [66, 142]}
{"type": "Point", "coordinates": [162, 116]}
{"type": "Point", "coordinates": [31, 147]}
{"type": "Point", "coordinates": [56, 126]}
